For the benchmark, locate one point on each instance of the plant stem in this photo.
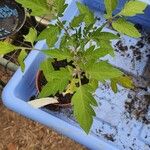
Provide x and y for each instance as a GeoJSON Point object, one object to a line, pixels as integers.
{"type": "Point", "coordinates": [79, 76]}
{"type": "Point", "coordinates": [62, 26]}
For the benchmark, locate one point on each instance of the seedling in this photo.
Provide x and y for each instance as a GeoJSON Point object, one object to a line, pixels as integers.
{"type": "Point", "coordinates": [81, 46]}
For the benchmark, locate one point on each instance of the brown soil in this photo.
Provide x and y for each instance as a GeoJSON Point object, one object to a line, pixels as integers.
{"type": "Point", "coordinates": [138, 107]}
{"type": "Point", "coordinates": [19, 133]}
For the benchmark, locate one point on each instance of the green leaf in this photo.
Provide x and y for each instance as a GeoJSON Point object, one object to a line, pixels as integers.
{"type": "Point", "coordinates": [107, 47]}
{"type": "Point", "coordinates": [110, 6]}
{"type": "Point", "coordinates": [89, 51]}
{"type": "Point", "coordinates": [82, 102]}
{"type": "Point", "coordinates": [77, 20]}
{"type": "Point", "coordinates": [31, 36]}
{"type": "Point", "coordinates": [97, 53]}
{"type": "Point", "coordinates": [96, 32]}
{"type": "Point", "coordinates": [125, 81]}
{"type": "Point", "coordinates": [21, 58]}
{"type": "Point", "coordinates": [60, 6]}
{"type": "Point", "coordinates": [102, 71]}
{"type": "Point", "coordinates": [6, 48]}
{"type": "Point", "coordinates": [47, 67]}
{"type": "Point", "coordinates": [51, 34]}
{"type": "Point", "coordinates": [104, 49]}
{"type": "Point", "coordinates": [57, 82]}
{"type": "Point", "coordinates": [89, 16]}
{"type": "Point", "coordinates": [92, 85]}
{"type": "Point", "coordinates": [132, 8]}
{"type": "Point", "coordinates": [52, 87]}
{"type": "Point", "coordinates": [101, 52]}
{"type": "Point", "coordinates": [114, 86]}
{"type": "Point", "coordinates": [38, 7]}
{"type": "Point", "coordinates": [59, 74]}
{"type": "Point", "coordinates": [59, 54]}
{"type": "Point", "coordinates": [125, 27]}
{"type": "Point", "coordinates": [107, 36]}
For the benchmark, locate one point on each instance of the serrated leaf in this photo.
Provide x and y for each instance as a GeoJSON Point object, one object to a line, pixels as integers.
{"type": "Point", "coordinates": [60, 6]}
{"type": "Point", "coordinates": [92, 85]}
{"type": "Point", "coordinates": [102, 71]}
{"type": "Point", "coordinates": [77, 20]}
{"type": "Point", "coordinates": [132, 8]}
{"type": "Point", "coordinates": [6, 47]}
{"type": "Point", "coordinates": [89, 16]}
{"type": "Point", "coordinates": [106, 46]}
{"type": "Point", "coordinates": [125, 27]}
{"type": "Point", "coordinates": [110, 6]}
{"type": "Point", "coordinates": [31, 36]}
{"type": "Point", "coordinates": [101, 52]}
{"type": "Point", "coordinates": [114, 86]}
{"type": "Point", "coordinates": [63, 72]}
{"type": "Point", "coordinates": [97, 32]}
{"type": "Point", "coordinates": [89, 51]}
{"type": "Point", "coordinates": [97, 53]}
{"type": "Point", "coordinates": [21, 58]}
{"type": "Point", "coordinates": [82, 102]}
{"type": "Point", "coordinates": [125, 81]}
{"type": "Point", "coordinates": [51, 34]}
{"type": "Point", "coordinates": [52, 87]}
{"type": "Point", "coordinates": [57, 82]}
{"type": "Point", "coordinates": [59, 54]}
{"type": "Point", "coordinates": [107, 36]}
{"type": "Point", "coordinates": [38, 7]}
{"type": "Point", "coordinates": [47, 67]}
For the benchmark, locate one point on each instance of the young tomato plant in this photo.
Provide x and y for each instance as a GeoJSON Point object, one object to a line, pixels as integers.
{"type": "Point", "coordinates": [82, 45]}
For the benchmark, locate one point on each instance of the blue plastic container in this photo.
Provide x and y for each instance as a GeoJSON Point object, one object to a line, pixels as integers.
{"type": "Point", "coordinates": [141, 19]}
{"type": "Point", "coordinates": [110, 130]}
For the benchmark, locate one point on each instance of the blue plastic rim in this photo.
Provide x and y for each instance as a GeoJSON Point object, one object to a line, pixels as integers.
{"type": "Point", "coordinates": [141, 19]}
{"type": "Point", "coordinates": [12, 18]}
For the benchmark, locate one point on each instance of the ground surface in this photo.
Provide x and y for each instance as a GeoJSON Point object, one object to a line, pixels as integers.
{"type": "Point", "coordinates": [19, 133]}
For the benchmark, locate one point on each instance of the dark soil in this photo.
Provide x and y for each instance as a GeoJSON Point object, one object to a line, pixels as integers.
{"type": "Point", "coordinates": [138, 107]}
{"type": "Point", "coordinates": [121, 47]}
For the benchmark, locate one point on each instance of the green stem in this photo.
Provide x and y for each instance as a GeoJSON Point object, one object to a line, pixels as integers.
{"type": "Point", "coordinates": [62, 26]}
{"type": "Point", "coordinates": [79, 76]}
{"type": "Point", "coordinates": [27, 48]}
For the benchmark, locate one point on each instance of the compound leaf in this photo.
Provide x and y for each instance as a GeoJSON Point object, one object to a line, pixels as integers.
{"type": "Point", "coordinates": [89, 16]}
{"type": "Point", "coordinates": [110, 6]}
{"type": "Point", "coordinates": [38, 7]}
{"type": "Point", "coordinates": [60, 6]}
{"type": "Point", "coordinates": [59, 54]}
{"type": "Point", "coordinates": [6, 47]}
{"type": "Point", "coordinates": [57, 82]}
{"type": "Point", "coordinates": [21, 58]}
{"type": "Point", "coordinates": [50, 34]}
{"type": "Point", "coordinates": [77, 20]}
{"type": "Point", "coordinates": [31, 36]}
{"type": "Point", "coordinates": [132, 8]}
{"type": "Point", "coordinates": [46, 67]}
{"type": "Point", "coordinates": [124, 81]}
{"type": "Point", "coordinates": [102, 71]}
{"type": "Point", "coordinates": [122, 26]}
{"type": "Point", "coordinates": [82, 102]}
